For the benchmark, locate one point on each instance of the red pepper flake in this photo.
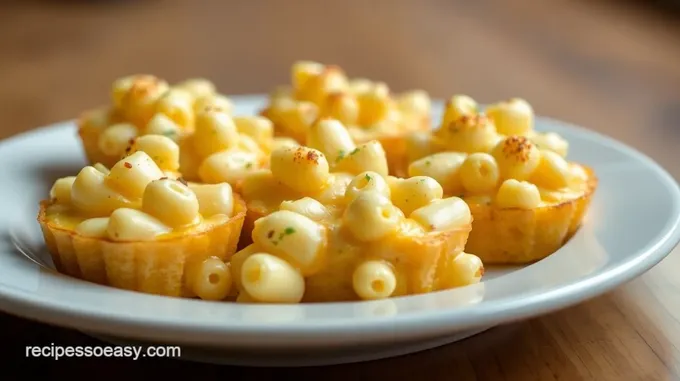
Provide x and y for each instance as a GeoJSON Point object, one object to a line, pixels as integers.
{"type": "Point", "coordinates": [181, 180]}
{"type": "Point", "coordinates": [270, 234]}
{"type": "Point", "coordinates": [131, 141]}
{"type": "Point", "coordinates": [163, 178]}
{"type": "Point", "coordinates": [312, 156]}
{"type": "Point", "coordinates": [127, 165]}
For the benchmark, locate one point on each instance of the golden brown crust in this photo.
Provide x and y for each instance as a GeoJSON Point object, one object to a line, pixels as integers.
{"type": "Point", "coordinates": [516, 236]}
{"type": "Point", "coordinates": [422, 262]}
{"type": "Point", "coordinates": [157, 267]}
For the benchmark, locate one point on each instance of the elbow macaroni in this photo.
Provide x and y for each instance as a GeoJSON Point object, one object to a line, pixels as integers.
{"type": "Point", "coordinates": [162, 150]}
{"type": "Point", "coordinates": [342, 107]}
{"type": "Point", "coordinates": [316, 87]}
{"type": "Point", "coordinates": [61, 190]}
{"type": "Point", "coordinates": [197, 87]}
{"type": "Point", "coordinates": [302, 71]}
{"type": "Point", "coordinates": [331, 138]}
{"type": "Point", "coordinates": [550, 141]}
{"type": "Point", "coordinates": [335, 190]}
{"type": "Point", "coordinates": [374, 280]}
{"type": "Point", "coordinates": [137, 97]}
{"type": "Point", "coordinates": [479, 173]}
{"type": "Point", "coordinates": [94, 227]}
{"type": "Point", "coordinates": [307, 207]}
{"type": "Point", "coordinates": [512, 117]}
{"type": "Point", "coordinates": [214, 199]}
{"type": "Point", "coordinates": [256, 127]}
{"type": "Point", "coordinates": [160, 124]}
{"type": "Point", "coordinates": [518, 194]}
{"type": "Point", "coordinates": [211, 279]}
{"type": "Point", "coordinates": [415, 102]}
{"type": "Point", "coordinates": [456, 107]}
{"type": "Point", "coordinates": [374, 104]}
{"type": "Point", "coordinates": [369, 156]}
{"type": "Point", "coordinates": [517, 157]}
{"type": "Point", "coordinates": [171, 202]}
{"type": "Point", "coordinates": [215, 102]}
{"type": "Point", "coordinates": [91, 196]}
{"type": "Point", "coordinates": [444, 167]}
{"type": "Point", "coordinates": [292, 236]}
{"type": "Point", "coordinates": [231, 166]}
{"type": "Point", "coordinates": [215, 132]}
{"type": "Point", "coordinates": [115, 139]}
{"type": "Point", "coordinates": [443, 214]}
{"type": "Point", "coordinates": [302, 169]}
{"type": "Point", "coordinates": [267, 278]}
{"type": "Point", "coordinates": [415, 192]}
{"type": "Point", "coordinates": [366, 182]}
{"type": "Point", "coordinates": [469, 134]}
{"type": "Point", "coordinates": [371, 216]}
{"type": "Point", "coordinates": [131, 175]}
{"type": "Point", "coordinates": [178, 106]}
{"type": "Point", "coordinates": [127, 225]}
{"type": "Point", "coordinates": [552, 171]}
{"type": "Point", "coordinates": [420, 144]}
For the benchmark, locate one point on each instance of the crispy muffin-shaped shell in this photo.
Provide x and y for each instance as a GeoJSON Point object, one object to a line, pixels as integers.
{"type": "Point", "coordinates": [517, 236]}
{"type": "Point", "coordinates": [155, 267]}
{"type": "Point", "coordinates": [423, 264]}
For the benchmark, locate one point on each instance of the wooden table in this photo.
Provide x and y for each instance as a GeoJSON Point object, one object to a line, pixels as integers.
{"type": "Point", "coordinates": [611, 66]}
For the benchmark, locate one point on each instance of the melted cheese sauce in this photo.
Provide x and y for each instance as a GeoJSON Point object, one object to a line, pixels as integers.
{"type": "Point", "coordinates": [67, 218]}
{"type": "Point", "coordinates": [577, 187]}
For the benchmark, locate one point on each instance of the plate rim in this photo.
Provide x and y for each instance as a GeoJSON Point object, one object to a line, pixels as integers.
{"type": "Point", "coordinates": [20, 302]}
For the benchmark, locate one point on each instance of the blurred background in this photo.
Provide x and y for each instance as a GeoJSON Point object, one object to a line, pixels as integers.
{"type": "Point", "coordinates": [613, 66]}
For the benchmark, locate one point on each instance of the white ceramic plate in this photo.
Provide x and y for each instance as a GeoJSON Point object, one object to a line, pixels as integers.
{"type": "Point", "coordinates": [633, 223]}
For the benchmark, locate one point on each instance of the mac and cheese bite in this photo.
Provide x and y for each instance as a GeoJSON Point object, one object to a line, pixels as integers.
{"type": "Point", "coordinates": [367, 108]}
{"type": "Point", "coordinates": [144, 104]}
{"type": "Point", "coordinates": [384, 237]}
{"type": "Point", "coordinates": [132, 227]}
{"type": "Point", "coordinates": [321, 171]}
{"type": "Point", "coordinates": [465, 127]}
{"type": "Point", "coordinates": [223, 148]}
{"type": "Point", "coordinates": [525, 201]}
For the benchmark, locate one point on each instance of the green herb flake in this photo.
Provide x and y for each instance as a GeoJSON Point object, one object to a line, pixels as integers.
{"type": "Point", "coordinates": [341, 155]}
{"type": "Point", "coordinates": [368, 177]}
{"type": "Point", "coordinates": [249, 165]}
{"type": "Point", "coordinates": [428, 163]}
{"type": "Point", "coordinates": [289, 230]}
{"type": "Point", "coordinates": [354, 151]}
